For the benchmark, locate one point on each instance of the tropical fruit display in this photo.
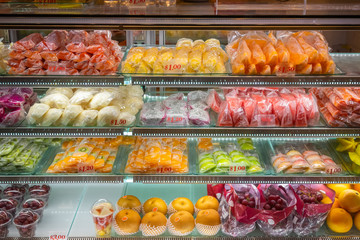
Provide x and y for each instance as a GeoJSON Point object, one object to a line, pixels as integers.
{"type": "Point", "coordinates": [202, 57]}
{"type": "Point", "coordinates": [76, 52]}
{"type": "Point", "coordinates": [83, 107]}
{"type": "Point", "coordinates": [177, 109]}
{"type": "Point", "coordinates": [346, 212]}
{"type": "Point", "coordinates": [158, 155]}
{"type": "Point", "coordinates": [87, 155]}
{"type": "Point", "coordinates": [264, 107]}
{"type": "Point", "coordinates": [350, 147]}
{"type": "Point", "coordinates": [259, 53]}
{"type": "Point", "coordinates": [223, 157]}
{"type": "Point", "coordinates": [340, 106]}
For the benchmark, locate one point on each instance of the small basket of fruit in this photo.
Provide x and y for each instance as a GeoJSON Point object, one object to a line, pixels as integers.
{"type": "Point", "coordinates": [313, 205]}
{"type": "Point", "coordinates": [277, 203]}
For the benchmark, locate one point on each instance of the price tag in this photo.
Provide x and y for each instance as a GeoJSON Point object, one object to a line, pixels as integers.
{"type": "Point", "coordinates": [286, 70]}
{"type": "Point", "coordinates": [136, 2]}
{"type": "Point", "coordinates": [174, 119]}
{"type": "Point", "coordinates": [57, 236]}
{"type": "Point", "coordinates": [333, 170]}
{"type": "Point", "coordinates": [118, 122]}
{"type": "Point", "coordinates": [82, 168]}
{"type": "Point", "coordinates": [164, 170]}
{"type": "Point", "coordinates": [237, 169]}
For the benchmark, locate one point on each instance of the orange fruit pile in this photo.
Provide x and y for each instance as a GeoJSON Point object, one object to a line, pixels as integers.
{"type": "Point", "coordinates": [345, 206]}
{"type": "Point", "coordinates": [87, 155]}
{"type": "Point", "coordinates": [304, 52]}
{"type": "Point", "coordinates": [158, 155]}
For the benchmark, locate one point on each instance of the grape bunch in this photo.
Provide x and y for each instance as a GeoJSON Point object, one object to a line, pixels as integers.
{"type": "Point", "coordinates": [308, 195]}
{"type": "Point", "coordinates": [34, 204]}
{"type": "Point", "coordinates": [39, 190]}
{"type": "Point", "coordinates": [9, 205]}
{"type": "Point", "coordinates": [246, 199]}
{"type": "Point", "coordinates": [275, 203]}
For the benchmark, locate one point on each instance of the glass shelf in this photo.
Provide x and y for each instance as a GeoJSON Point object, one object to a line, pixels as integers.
{"type": "Point", "coordinates": [167, 179]}
{"type": "Point", "coordinates": [71, 132]}
{"type": "Point", "coordinates": [67, 132]}
{"type": "Point", "coordinates": [61, 81]}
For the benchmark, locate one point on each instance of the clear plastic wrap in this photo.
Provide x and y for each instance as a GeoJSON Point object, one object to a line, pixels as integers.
{"type": "Point", "coordinates": [237, 219]}
{"type": "Point", "coordinates": [280, 52]}
{"type": "Point", "coordinates": [309, 217]}
{"type": "Point", "coordinates": [153, 113]}
{"type": "Point", "coordinates": [276, 222]}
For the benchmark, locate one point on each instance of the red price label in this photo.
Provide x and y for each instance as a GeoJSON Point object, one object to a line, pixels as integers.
{"type": "Point", "coordinates": [118, 122]}
{"type": "Point", "coordinates": [333, 170]}
{"type": "Point", "coordinates": [174, 119]}
{"type": "Point", "coordinates": [164, 170]}
{"type": "Point", "coordinates": [85, 168]}
{"type": "Point", "coordinates": [172, 67]}
{"type": "Point", "coordinates": [286, 70]}
{"type": "Point", "coordinates": [237, 169]}
{"type": "Point", "coordinates": [57, 237]}
{"type": "Point", "coordinates": [56, 68]}
{"type": "Point", "coordinates": [137, 2]}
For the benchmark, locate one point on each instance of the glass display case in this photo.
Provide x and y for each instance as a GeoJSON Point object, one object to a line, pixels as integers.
{"type": "Point", "coordinates": [253, 104]}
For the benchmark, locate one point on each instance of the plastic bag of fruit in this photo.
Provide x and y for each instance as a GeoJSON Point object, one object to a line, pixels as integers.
{"type": "Point", "coordinates": [277, 203]}
{"type": "Point", "coordinates": [313, 205]}
{"type": "Point", "coordinates": [239, 207]}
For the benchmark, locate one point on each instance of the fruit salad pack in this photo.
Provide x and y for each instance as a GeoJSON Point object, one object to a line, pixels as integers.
{"type": "Point", "coordinates": [277, 203]}
{"type": "Point", "coordinates": [314, 202]}
{"type": "Point", "coordinates": [239, 207]}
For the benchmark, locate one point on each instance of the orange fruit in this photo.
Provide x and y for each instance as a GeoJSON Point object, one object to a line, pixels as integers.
{"type": "Point", "coordinates": [338, 188]}
{"type": "Point", "coordinates": [336, 204]}
{"type": "Point", "coordinates": [349, 199]}
{"type": "Point", "coordinates": [357, 221]}
{"type": "Point", "coordinates": [339, 220]}
{"type": "Point", "coordinates": [356, 187]}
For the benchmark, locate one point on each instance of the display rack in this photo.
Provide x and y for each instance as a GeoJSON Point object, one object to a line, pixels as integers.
{"type": "Point", "coordinates": [73, 194]}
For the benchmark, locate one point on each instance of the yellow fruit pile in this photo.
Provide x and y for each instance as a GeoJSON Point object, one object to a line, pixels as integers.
{"type": "Point", "coordinates": [158, 155]}
{"type": "Point", "coordinates": [88, 155]}
{"type": "Point", "coordinates": [187, 57]}
{"type": "Point", "coordinates": [346, 205]}
{"type": "Point", "coordinates": [351, 145]}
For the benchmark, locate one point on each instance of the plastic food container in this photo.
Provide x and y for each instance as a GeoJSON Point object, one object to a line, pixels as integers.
{"type": "Point", "coordinates": [26, 229]}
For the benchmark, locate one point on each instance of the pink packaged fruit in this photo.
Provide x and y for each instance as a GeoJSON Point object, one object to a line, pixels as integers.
{"type": "Point", "coordinates": [14, 103]}
{"type": "Point", "coordinates": [264, 107]}
{"type": "Point", "coordinates": [76, 52]}
{"type": "Point", "coordinates": [176, 110]}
